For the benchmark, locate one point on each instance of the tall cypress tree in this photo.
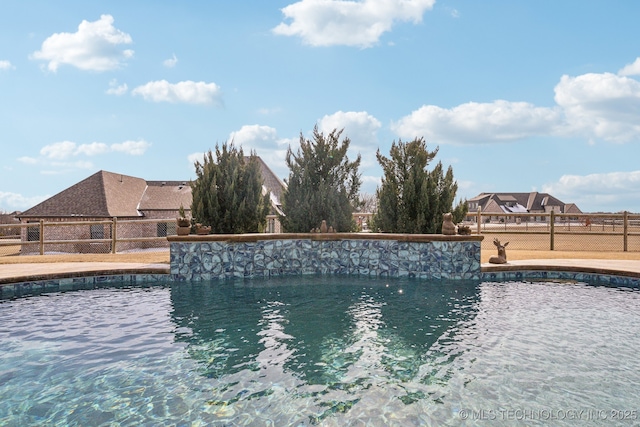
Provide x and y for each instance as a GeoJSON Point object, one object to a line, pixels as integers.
{"type": "Point", "coordinates": [322, 185]}
{"type": "Point", "coordinates": [412, 199]}
{"type": "Point", "coordinates": [227, 193]}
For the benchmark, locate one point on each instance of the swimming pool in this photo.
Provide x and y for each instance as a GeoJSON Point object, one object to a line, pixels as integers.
{"type": "Point", "coordinates": [322, 350]}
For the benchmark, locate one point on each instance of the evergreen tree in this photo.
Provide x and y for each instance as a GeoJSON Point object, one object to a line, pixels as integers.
{"type": "Point", "coordinates": [227, 193]}
{"type": "Point", "coordinates": [322, 185]}
{"type": "Point", "coordinates": [411, 199]}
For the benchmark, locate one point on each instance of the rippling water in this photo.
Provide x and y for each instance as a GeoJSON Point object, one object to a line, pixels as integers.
{"type": "Point", "coordinates": [322, 351]}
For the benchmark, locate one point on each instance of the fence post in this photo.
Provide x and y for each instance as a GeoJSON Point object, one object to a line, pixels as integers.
{"type": "Point", "coordinates": [42, 237]}
{"type": "Point", "coordinates": [479, 218]}
{"type": "Point", "coordinates": [114, 237]}
{"type": "Point", "coordinates": [625, 228]}
{"type": "Point", "coordinates": [552, 230]}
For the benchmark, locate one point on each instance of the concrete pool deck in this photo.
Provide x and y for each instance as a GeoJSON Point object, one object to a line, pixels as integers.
{"type": "Point", "coordinates": [16, 273]}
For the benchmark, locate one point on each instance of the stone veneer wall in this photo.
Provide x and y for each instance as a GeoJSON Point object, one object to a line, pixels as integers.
{"type": "Point", "coordinates": [384, 255]}
{"type": "Point", "coordinates": [600, 279]}
{"type": "Point", "coordinates": [64, 284]}
{"type": "Point", "coordinates": [44, 286]}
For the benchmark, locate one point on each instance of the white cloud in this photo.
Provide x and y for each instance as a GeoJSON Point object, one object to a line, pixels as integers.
{"type": "Point", "coordinates": [498, 121]}
{"type": "Point", "coordinates": [285, 143]}
{"type": "Point", "coordinates": [265, 142]}
{"type": "Point", "coordinates": [597, 191]}
{"type": "Point", "coordinates": [360, 127]}
{"type": "Point", "coordinates": [28, 160]}
{"type": "Point", "coordinates": [369, 181]}
{"type": "Point", "coordinates": [93, 149]}
{"type": "Point", "coordinates": [65, 156]}
{"type": "Point", "coordinates": [95, 46]}
{"type": "Point", "coordinates": [603, 106]}
{"type": "Point", "coordinates": [59, 150]}
{"type": "Point", "coordinates": [133, 148]}
{"type": "Point", "coordinates": [350, 23]}
{"type": "Point", "coordinates": [171, 62]}
{"type": "Point", "coordinates": [595, 106]}
{"type": "Point", "coordinates": [116, 89]}
{"type": "Point", "coordinates": [464, 185]}
{"type": "Point", "coordinates": [10, 202]}
{"type": "Point", "coordinates": [195, 157]}
{"type": "Point", "coordinates": [632, 69]}
{"type": "Point", "coordinates": [189, 92]}
{"type": "Point", "coordinates": [261, 139]}
{"type": "Point", "coordinates": [252, 135]}
{"type": "Point", "coordinates": [6, 65]}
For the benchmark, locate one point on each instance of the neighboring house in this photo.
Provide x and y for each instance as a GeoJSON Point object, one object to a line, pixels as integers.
{"type": "Point", "coordinates": [104, 196]}
{"type": "Point", "coordinates": [275, 187]}
{"type": "Point", "coordinates": [7, 220]}
{"type": "Point", "coordinates": [505, 203]}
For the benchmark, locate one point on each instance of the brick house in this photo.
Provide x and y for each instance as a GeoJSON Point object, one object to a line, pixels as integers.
{"type": "Point", "coordinates": [104, 196]}
{"type": "Point", "coordinates": [505, 203]}
{"type": "Point", "coordinates": [275, 186]}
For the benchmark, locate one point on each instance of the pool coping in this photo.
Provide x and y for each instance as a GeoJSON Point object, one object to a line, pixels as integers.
{"type": "Point", "coordinates": [623, 268]}
{"type": "Point", "coordinates": [34, 272]}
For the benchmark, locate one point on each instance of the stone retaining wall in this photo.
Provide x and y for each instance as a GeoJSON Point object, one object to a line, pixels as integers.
{"type": "Point", "coordinates": [384, 255]}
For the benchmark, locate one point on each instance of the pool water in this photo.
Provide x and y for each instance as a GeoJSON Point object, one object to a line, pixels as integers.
{"type": "Point", "coordinates": [322, 350]}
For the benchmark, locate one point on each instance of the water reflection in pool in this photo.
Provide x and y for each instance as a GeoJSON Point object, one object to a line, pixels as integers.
{"type": "Point", "coordinates": [321, 347]}
{"type": "Point", "coordinates": [318, 351]}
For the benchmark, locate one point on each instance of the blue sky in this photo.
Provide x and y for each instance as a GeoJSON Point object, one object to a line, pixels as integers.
{"type": "Point", "coordinates": [519, 96]}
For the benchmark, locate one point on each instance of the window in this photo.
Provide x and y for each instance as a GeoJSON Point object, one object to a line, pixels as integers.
{"type": "Point", "coordinates": [165, 229]}
{"type": "Point", "coordinates": [97, 231]}
{"type": "Point", "coordinates": [33, 233]}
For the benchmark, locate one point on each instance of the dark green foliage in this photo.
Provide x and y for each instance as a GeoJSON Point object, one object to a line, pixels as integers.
{"type": "Point", "coordinates": [323, 184]}
{"type": "Point", "coordinates": [227, 193]}
{"type": "Point", "coordinates": [460, 211]}
{"type": "Point", "coordinates": [411, 199]}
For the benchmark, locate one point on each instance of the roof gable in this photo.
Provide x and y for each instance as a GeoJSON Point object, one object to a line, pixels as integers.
{"type": "Point", "coordinates": [101, 195]}
{"type": "Point", "coordinates": [572, 208]}
{"type": "Point", "coordinates": [123, 194]}
{"type": "Point", "coordinates": [271, 181]}
{"type": "Point", "coordinates": [166, 195]}
{"type": "Point", "coordinates": [492, 206]}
